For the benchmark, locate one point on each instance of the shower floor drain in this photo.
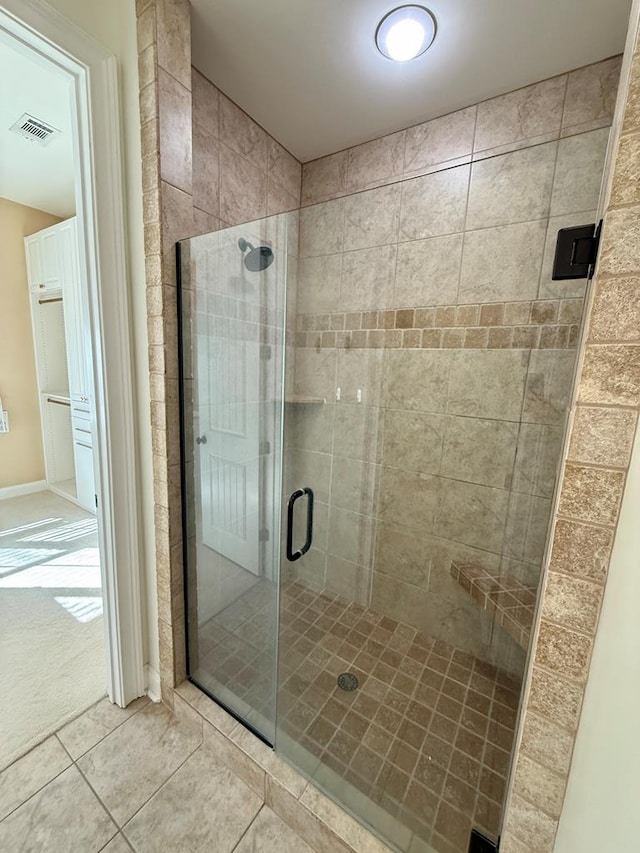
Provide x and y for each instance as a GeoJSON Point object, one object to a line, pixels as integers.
{"type": "Point", "coordinates": [347, 681]}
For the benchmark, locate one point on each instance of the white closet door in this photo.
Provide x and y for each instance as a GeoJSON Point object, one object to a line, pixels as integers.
{"type": "Point", "coordinates": [43, 259]}
{"type": "Point", "coordinates": [73, 321]}
{"type": "Point", "coordinates": [63, 351]}
{"type": "Point", "coordinates": [33, 246]}
{"type": "Point", "coordinates": [229, 447]}
{"type": "Point", "coordinates": [227, 400]}
{"type": "Point", "coordinates": [84, 475]}
{"type": "Point", "coordinates": [78, 349]}
{"type": "Point", "coordinates": [51, 259]}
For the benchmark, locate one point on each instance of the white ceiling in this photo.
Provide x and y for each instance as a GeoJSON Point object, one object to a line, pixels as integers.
{"type": "Point", "coordinates": [41, 177]}
{"type": "Point", "coordinates": [309, 73]}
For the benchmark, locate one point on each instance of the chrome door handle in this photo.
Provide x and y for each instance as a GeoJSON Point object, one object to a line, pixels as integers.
{"type": "Point", "coordinates": [292, 555]}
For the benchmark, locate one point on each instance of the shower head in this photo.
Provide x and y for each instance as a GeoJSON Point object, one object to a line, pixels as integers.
{"type": "Point", "coordinates": [258, 258]}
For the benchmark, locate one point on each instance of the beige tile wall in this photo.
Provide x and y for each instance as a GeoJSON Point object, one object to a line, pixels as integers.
{"type": "Point", "coordinates": [240, 173]}
{"type": "Point", "coordinates": [165, 112]}
{"type": "Point", "coordinates": [432, 297]}
{"type": "Point", "coordinates": [608, 399]}
{"type": "Point", "coordinates": [229, 316]}
{"type": "Point", "coordinates": [206, 164]}
{"type": "Point", "coordinates": [602, 430]}
{"type": "Point", "coordinates": [564, 106]}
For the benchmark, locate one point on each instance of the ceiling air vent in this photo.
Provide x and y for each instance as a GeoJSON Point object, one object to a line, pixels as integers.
{"type": "Point", "coordinates": [34, 129]}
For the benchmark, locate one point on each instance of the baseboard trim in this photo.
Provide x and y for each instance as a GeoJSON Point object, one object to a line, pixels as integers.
{"type": "Point", "coordinates": [152, 683]}
{"type": "Point", "coordinates": [22, 489]}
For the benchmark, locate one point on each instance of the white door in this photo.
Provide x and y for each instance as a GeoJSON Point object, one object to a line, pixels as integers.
{"type": "Point", "coordinates": [51, 258]}
{"type": "Point", "coordinates": [85, 478]}
{"type": "Point", "coordinates": [227, 394]}
{"type": "Point", "coordinates": [75, 327]}
{"type": "Point", "coordinates": [43, 260]}
{"type": "Point", "coordinates": [78, 358]}
{"type": "Point", "coordinates": [34, 262]}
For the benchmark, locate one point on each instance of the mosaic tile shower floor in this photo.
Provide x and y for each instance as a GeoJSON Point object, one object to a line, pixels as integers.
{"type": "Point", "coordinates": [427, 734]}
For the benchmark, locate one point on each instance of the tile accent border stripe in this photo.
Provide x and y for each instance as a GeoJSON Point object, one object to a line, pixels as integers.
{"type": "Point", "coordinates": [541, 324]}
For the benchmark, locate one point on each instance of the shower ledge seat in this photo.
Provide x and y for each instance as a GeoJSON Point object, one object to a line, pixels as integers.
{"type": "Point", "coordinates": [300, 398]}
{"type": "Point", "coordinates": [509, 600]}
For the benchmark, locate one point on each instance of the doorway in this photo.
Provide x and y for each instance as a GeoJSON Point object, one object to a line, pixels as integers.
{"type": "Point", "coordinates": [50, 586]}
{"type": "Point", "coordinates": [69, 587]}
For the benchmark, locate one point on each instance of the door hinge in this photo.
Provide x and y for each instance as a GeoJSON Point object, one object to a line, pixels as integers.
{"type": "Point", "coordinates": [479, 843]}
{"type": "Point", "coordinates": [265, 352]}
{"type": "Point", "coordinates": [96, 497]}
{"type": "Point", "coordinates": [263, 536]}
{"type": "Point", "coordinates": [264, 448]}
{"type": "Point", "coordinates": [576, 252]}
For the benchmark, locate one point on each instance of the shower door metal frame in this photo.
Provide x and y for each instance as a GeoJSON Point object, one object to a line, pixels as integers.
{"type": "Point", "coordinates": [185, 506]}
{"type": "Point", "coordinates": [272, 540]}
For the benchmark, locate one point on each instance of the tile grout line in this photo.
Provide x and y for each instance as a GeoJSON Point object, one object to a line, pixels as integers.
{"type": "Point", "coordinates": [41, 788]}
{"type": "Point", "coordinates": [98, 797]}
{"type": "Point", "coordinates": [466, 210]}
{"type": "Point", "coordinates": [166, 781]}
{"type": "Point", "coordinates": [251, 823]}
{"type": "Point", "coordinates": [475, 157]}
{"type": "Point", "coordinates": [92, 789]}
{"type": "Point", "coordinates": [482, 764]}
{"type": "Point", "coordinates": [55, 735]}
{"type": "Point", "coordinates": [117, 726]}
{"type": "Point", "coordinates": [121, 835]}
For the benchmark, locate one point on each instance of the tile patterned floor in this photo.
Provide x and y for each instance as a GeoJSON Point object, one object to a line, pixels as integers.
{"type": "Point", "coordinates": [237, 650]}
{"type": "Point", "coordinates": [428, 733]}
{"type": "Point", "coordinates": [138, 779]}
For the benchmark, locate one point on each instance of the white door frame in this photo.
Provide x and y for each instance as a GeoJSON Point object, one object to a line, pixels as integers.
{"type": "Point", "coordinates": [100, 208]}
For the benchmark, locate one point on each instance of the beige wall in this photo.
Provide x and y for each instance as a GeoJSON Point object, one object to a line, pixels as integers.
{"type": "Point", "coordinates": [432, 294]}
{"type": "Point", "coordinates": [240, 172]}
{"type": "Point", "coordinates": [21, 456]}
{"type": "Point", "coordinates": [113, 24]}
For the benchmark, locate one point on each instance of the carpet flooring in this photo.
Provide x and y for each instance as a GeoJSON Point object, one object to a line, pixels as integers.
{"type": "Point", "coordinates": [51, 630]}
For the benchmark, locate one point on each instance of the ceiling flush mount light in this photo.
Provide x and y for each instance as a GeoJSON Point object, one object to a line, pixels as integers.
{"type": "Point", "coordinates": [405, 32]}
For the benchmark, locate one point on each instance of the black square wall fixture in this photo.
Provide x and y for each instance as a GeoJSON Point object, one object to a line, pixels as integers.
{"type": "Point", "coordinates": [576, 252]}
{"type": "Point", "coordinates": [478, 843]}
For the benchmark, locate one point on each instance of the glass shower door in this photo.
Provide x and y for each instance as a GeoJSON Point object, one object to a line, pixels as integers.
{"type": "Point", "coordinates": [425, 408]}
{"type": "Point", "coordinates": [233, 291]}
{"type": "Point", "coordinates": [374, 402]}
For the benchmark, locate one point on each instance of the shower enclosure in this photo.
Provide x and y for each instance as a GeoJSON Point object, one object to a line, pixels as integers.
{"type": "Point", "coordinates": [374, 395]}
